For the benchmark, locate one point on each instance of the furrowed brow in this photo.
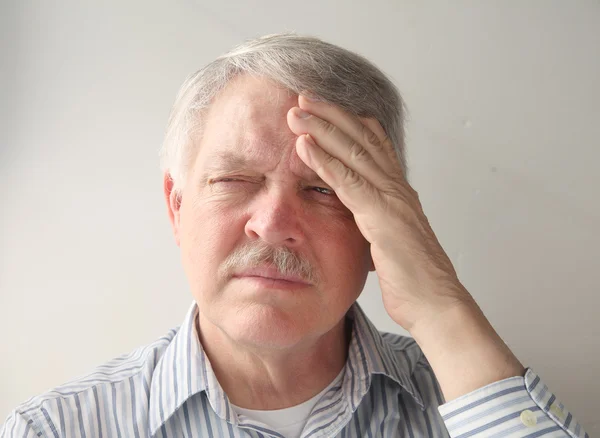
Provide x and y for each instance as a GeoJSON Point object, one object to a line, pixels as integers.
{"type": "Point", "coordinates": [228, 161]}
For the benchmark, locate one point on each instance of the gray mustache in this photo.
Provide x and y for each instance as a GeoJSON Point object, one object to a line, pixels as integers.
{"type": "Point", "coordinates": [285, 260]}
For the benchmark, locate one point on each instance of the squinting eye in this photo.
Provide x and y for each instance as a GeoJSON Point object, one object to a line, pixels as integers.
{"type": "Point", "coordinates": [226, 180]}
{"type": "Point", "coordinates": [324, 190]}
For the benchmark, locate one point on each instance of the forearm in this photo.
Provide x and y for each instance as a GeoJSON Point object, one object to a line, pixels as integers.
{"type": "Point", "coordinates": [465, 351]}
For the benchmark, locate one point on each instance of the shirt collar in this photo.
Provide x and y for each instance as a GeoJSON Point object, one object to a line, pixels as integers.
{"type": "Point", "coordinates": [181, 372]}
{"type": "Point", "coordinates": [184, 369]}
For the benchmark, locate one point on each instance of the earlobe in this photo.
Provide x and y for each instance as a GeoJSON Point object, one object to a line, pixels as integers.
{"type": "Point", "coordinates": [173, 200]}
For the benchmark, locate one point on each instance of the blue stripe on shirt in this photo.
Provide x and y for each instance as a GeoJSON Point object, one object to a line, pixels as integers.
{"type": "Point", "coordinates": [168, 389]}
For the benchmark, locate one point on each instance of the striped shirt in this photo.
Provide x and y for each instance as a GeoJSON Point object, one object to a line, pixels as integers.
{"type": "Point", "coordinates": [168, 389]}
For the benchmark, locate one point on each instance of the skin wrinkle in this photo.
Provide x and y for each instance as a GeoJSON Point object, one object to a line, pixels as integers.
{"type": "Point", "coordinates": [226, 164]}
{"type": "Point", "coordinates": [234, 161]}
{"type": "Point", "coordinates": [269, 348]}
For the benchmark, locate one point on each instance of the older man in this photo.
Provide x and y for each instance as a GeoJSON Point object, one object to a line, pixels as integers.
{"type": "Point", "coordinates": [285, 184]}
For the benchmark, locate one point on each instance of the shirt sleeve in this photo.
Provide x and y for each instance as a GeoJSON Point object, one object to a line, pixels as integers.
{"type": "Point", "coordinates": [513, 407]}
{"type": "Point", "coordinates": [16, 426]}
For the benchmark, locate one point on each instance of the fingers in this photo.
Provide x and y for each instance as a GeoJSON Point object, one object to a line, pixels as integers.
{"type": "Point", "coordinates": [364, 131]}
{"type": "Point", "coordinates": [338, 144]}
{"type": "Point", "coordinates": [374, 126]}
{"type": "Point", "coordinates": [355, 192]}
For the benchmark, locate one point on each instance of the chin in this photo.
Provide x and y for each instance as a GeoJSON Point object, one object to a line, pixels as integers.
{"type": "Point", "coordinates": [266, 326]}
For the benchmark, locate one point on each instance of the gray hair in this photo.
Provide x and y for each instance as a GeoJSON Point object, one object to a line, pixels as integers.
{"type": "Point", "coordinates": [299, 63]}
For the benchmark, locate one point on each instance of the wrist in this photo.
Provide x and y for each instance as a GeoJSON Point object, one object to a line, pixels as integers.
{"type": "Point", "coordinates": [447, 313]}
{"type": "Point", "coordinates": [464, 350]}
{"type": "Point", "coordinates": [454, 302]}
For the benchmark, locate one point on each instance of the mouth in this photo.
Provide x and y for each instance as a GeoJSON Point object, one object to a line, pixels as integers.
{"type": "Point", "coordinates": [271, 278]}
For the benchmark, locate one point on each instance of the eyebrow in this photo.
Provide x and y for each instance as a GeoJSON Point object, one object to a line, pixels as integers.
{"type": "Point", "coordinates": [227, 160]}
{"type": "Point", "coordinates": [231, 161]}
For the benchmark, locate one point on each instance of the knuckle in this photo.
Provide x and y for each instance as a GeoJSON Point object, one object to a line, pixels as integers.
{"type": "Point", "coordinates": [370, 137]}
{"type": "Point", "coordinates": [327, 127]}
{"type": "Point", "coordinates": [412, 191]}
{"type": "Point", "coordinates": [391, 188]}
{"type": "Point", "coordinates": [330, 160]}
{"type": "Point", "coordinates": [329, 167]}
{"type": "Point", "coordinates": [353, 180]}
{"type": "Point", "coordinates": [357, 152]}
{"type": "Point", "coordinates": [388, 145]}
{"type": "Point", "coordinates": [387, 142]}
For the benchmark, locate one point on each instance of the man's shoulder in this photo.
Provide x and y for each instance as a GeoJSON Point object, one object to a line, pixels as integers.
{"type": "Point", "coordinates": [125, 373]}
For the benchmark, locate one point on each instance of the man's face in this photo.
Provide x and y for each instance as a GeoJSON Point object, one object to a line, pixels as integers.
{"type": "Point", "coordinates": [249, 190]}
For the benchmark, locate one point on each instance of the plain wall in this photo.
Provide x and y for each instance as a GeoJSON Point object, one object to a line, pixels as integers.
{"type": "Point", "coordinates": [504, 103]}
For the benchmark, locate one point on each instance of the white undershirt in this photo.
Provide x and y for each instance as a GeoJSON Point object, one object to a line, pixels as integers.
{"type": "Point", "coordinates": [289, 421]}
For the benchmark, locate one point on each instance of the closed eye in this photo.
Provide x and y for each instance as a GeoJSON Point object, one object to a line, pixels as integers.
{"type": "Point", "coordinates": [227, 180]}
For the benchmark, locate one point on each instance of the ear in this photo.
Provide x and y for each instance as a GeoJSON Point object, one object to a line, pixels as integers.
{"type": "Point", "coordinates": [173, 199]}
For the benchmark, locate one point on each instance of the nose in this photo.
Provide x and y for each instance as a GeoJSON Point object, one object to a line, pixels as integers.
{"type": "Point", "coordinates": [275, 219]}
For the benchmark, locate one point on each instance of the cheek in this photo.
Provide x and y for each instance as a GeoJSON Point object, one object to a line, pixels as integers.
{"type": "Point", "coordinates": [209, 234]}
{"type": "Point", "coordinates": [342, 251]}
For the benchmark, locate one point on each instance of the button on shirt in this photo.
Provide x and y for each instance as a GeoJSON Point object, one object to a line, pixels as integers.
{"type": "Point", "coordinates": [168, 389]}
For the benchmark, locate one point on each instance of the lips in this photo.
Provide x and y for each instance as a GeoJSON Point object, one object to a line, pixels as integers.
{"type": "Point", "coordinates": [269, 273]}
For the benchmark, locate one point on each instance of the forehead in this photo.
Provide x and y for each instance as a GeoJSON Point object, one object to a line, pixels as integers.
{"type": "Point", "coordinates": [248, 118]}
{"type": "Point", "coordinates": [252, 97]}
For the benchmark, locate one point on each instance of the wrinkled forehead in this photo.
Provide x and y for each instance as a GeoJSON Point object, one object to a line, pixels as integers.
{"type": "Point", "coordinates": [248, 117]}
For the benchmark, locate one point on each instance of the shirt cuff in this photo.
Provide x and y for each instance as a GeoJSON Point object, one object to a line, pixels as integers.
{"type": "Point", "coordinates": [513, 407]}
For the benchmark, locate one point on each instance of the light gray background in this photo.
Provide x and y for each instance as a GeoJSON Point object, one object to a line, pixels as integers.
{"type": "Point", "coordinates": [503, 144]}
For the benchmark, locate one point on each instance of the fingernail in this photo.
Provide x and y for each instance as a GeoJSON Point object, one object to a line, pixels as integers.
{"type": "Point", "coordinates": [302, 114]}
{"type": "Point", "coordinates": [309, 139]}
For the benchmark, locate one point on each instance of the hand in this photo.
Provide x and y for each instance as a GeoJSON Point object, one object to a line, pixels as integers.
{"type": "Point", "coordinates": [356, 158]}
{"type": "Point", "coordinates": [421, 291]}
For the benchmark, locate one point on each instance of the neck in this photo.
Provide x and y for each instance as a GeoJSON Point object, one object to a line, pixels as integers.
{"type": "Point", "coordinates": [267, 379]}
